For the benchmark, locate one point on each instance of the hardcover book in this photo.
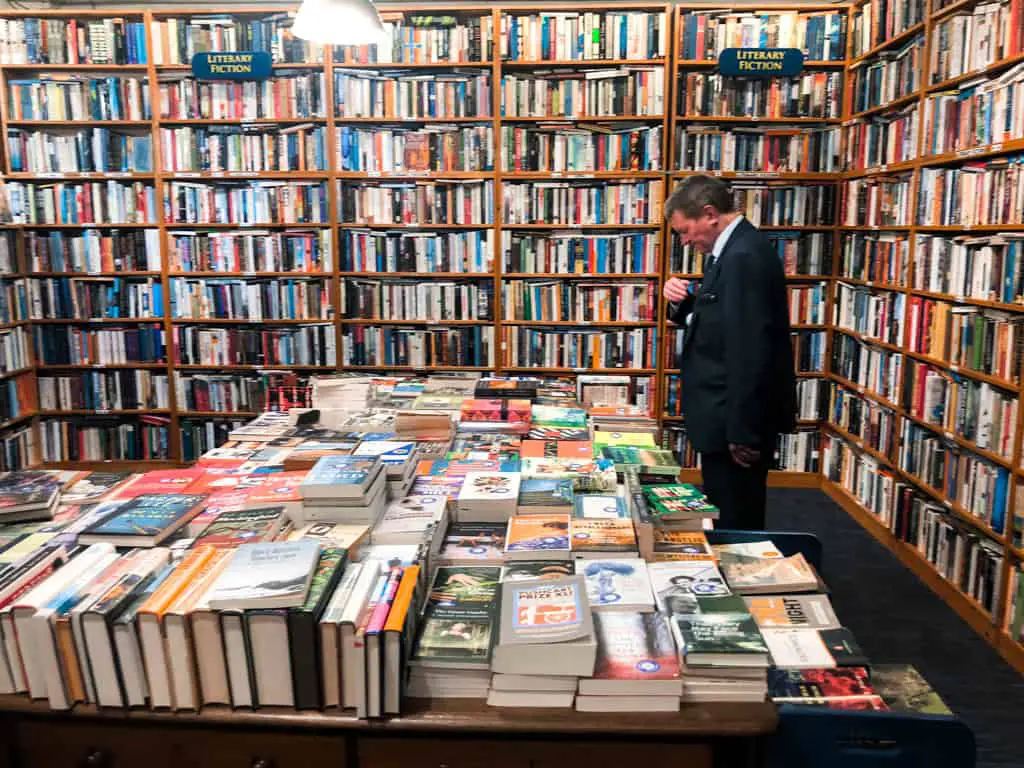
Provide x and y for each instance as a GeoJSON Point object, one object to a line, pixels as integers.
{"type": "Point", "coordinates": [145, 521]}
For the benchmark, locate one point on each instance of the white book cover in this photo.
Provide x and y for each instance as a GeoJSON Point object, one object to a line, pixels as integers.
{"type": "Point", "coordinates": [617, 584]}
{"type": "Point", "coordinates": [389, 451]}
{"type": "Point", "coordinates": [598, 507]}
{"type": "Point", "coordinates": [489, 486]}
{"type": "Point", "coordinates": [798, 649]}
{"type": "Point", "coordinates": [678, 583]}
{"type": "Point", "coordinates": [270, 575]}
{"type": "Point", "coordinates": [411, 514]}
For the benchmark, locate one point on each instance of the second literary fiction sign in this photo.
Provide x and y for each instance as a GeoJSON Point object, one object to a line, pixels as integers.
{"type": "Point", "coordinates": [761, 62]}
{"type": "Point", "coordinates": [232, 65]}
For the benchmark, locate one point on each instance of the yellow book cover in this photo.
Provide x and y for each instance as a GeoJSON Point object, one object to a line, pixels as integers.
{"type": "Point", "coordinates": [683, 545]}
{"type": "Point", "coordinates": [602, 535]}
{"type": "Point", "coordinates": [161, 600]}
{"type": "Point", "coordinates": [402, 603]}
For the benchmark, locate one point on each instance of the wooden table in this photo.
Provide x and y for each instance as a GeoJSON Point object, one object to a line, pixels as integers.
{"type": "Point", "coordinates": [433, 734]}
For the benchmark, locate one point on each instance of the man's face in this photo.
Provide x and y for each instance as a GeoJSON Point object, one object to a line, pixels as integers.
{"type": "Point", "coordinates": [700, 232]}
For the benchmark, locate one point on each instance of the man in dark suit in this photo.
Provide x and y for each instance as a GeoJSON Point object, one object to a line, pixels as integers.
{"type": "Point", "coordinates": [739, 387]}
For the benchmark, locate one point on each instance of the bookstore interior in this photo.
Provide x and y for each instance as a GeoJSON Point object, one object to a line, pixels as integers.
{"type": "Point", "coordinates": [339, 392]}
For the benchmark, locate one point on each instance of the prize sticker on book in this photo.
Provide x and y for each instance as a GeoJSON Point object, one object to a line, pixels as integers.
{"type": "Point", "coordinates": [547, 606]}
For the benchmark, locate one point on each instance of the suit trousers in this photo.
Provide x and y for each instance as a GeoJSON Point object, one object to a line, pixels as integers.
{"type": "Point", "coordinates": [738, 492]}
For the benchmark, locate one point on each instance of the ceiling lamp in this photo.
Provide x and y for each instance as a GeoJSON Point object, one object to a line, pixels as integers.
{"type": "Point", "coordinates": [339, 22]}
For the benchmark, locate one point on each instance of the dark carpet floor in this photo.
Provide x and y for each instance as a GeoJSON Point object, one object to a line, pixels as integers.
{"type": "Point", "coordinates": [897, 619]}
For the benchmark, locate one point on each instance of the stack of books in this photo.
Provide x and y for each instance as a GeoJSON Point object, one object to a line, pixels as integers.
{"type": "Point", "coordinates": [348, 489]}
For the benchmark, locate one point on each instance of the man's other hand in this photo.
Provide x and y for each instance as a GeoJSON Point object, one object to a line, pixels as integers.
{"type": "Point", "coordinates": [744, 455]}
{"type": "Point", "coordinates": [676, 289]}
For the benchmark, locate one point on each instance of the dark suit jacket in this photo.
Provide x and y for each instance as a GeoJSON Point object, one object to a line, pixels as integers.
{"type": "Point", "coordinates": [737, 365]}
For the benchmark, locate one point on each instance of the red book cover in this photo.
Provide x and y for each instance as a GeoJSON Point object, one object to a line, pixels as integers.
{"type": "Point", "coordinates": [634, 646]}
{"type": "Point", "coordinates": [159, 481]}
{"type": "Point", "coordinates": [557, 449]}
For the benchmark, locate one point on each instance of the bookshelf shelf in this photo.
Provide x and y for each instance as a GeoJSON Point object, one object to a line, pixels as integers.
{"type": "Point", "coordinates": [950, 9]}
{"type": "Point", "coordinates": [100, 366]}
{"type": "Point", "coordinates": [217, 414]}
{"type": "Point", "coordinates": [418, 65]}
{"type": "Point", "coordinates": [582, 323]}
{"type": "Point", "coordinates": [974, 153]}
{"type": "Point", "coordinates": [105, 412]}
{"type": "Point", "coordinates": [82, 123]}
{"type": "Point", "coordinates": [583, 175]}
{"type": "Point", "coordinates": [277, 66]}
{"type": "Point", "coordinates": [242, 367]}
{"type": "Point", "coordinates": [895, 104]}
{"type": "Point", "coordinates": [248, 321]}
{"type": "Point", "coordinates": [372, 321]}
{"type": "Point", "coordinates": [580, 226]}
{"type": "Point", "coordinates": [243, 120]}
{"type": "Point", "coordinates": [582, 276]}
{"type": "Point", "coordinates": [582, 119]}
{"type": "Point", "coordinates": [755, 120]}
{"type": "Point", "coordinates": [19, 372]}
{"type": "Point", "coordinates": [881, 170]}
{"type": "Point", "coordinates": [229, 175]}
{"type": "Point", "coordinates": [862, 390]}
{"type": "Point", "coordinates": [698, 63]}
{"type": "Point", "coordinates": [421, 275]}
{"type": "Point", "coordinates": [86, 275]}
{"type": "Point", "coordinates": [759, 175]}
{"type": "Point", "coordinates": [27, 416]}
{"type": "Point", "coordinates": [75, 67]}
{"type": "Point", "coordinates": [91, 320]}
{"type": "Point", "coordinates": [413, 368]}
{"type": "Point", "coordinates": [988, 71]}
{"type": "Point", "coordinates": [388, 120]}
{"type": "Point", "coordinates": [893, 42]}
{"type": "Point", "coordinates": [575, 371]}
{"type": "Point", "coordinates": [541, 63]}
{"type": "Point", "coordinates": [383, 225]}
{"type": "Point", "coordinates": [961, 299]}
{"type": "Point", "coordinates": [46, 177]}
{"type": "Point", "coordinates": [431, 175]}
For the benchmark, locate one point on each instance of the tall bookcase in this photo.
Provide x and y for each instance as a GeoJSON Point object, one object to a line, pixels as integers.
{"type": "Point", "coordinates": [336, 244]}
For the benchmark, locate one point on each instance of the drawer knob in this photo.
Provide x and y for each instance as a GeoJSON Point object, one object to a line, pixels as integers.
{"type": "Point", "coordinates": [96, 759]}
{"type": "Point", "coordinates": [259, 762]}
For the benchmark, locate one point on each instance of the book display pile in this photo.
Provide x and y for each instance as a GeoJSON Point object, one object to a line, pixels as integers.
{"type": "Point", "coordinates": [446, 537]}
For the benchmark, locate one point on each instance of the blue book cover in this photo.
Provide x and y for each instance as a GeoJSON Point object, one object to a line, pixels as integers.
{"type": "Point", "coordinates": [352, 472]}
{"type": "Point", "coordinates": [150, 516]}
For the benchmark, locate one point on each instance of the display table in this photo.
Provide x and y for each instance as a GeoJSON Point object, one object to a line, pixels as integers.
{"type": "Point", "coordinates": [434, 734]}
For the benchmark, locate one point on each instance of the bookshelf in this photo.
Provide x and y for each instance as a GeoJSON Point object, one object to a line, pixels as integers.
{"type": "Point", "coordinates": [485, 149]}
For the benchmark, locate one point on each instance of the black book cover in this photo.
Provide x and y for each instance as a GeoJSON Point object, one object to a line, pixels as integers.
{"type": "Point", "coordinates": [843, 647]}
{"type": "Point", "coordinates": [303, 632]}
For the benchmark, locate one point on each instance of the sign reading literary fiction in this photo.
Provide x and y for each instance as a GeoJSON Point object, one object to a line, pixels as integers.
{"type": "Point", "coordinates": [232, 65]}
{"type": "Point", "coordinates": [761, 62]}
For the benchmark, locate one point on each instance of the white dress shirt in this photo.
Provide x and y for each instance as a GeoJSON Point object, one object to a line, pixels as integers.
{"type": "Point", "coordinates": [719, 246]}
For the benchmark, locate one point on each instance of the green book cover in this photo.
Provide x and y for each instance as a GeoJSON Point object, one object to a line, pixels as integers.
{"type": "Point", "coordinates": [458, 623]}
{"type": "Point", "coordinates": [719, 633]}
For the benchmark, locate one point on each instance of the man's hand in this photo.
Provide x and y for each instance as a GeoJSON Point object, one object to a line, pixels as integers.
{"type": "Point", "coordinates": [744, 455]}
{"type": "Point", "coordinates": [676, 289]}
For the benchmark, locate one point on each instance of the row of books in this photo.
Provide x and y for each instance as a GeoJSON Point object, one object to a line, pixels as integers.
{"type": "Point", "coordinates": [820, 35]}
{"type": "Point", "coordinates": [882, 140]}
{"type": "Point", "coordinates": [801, 253]}
{"type": "Point", "coordinates": [72, 41]}
{"type": "Point", "coordinates": [14, 307]}
{"type": "Point", "coordinates": [976, 411]}
{"type": "Point", "coordinates": [425, 39]}
{"type": "Point", "coordinates": [894, 75]}
{"type": "Point", "coordinates": [985, 268]}
{"type": "Point", "coordinates": [878, 21]}
{"type": "Point", "coordinates": [248, 149]}
{"type": "Point", "coordinates": [876, 257]}
{"type": "Point", "coordinates": [219, 393]}
{"type": "Point", "coordinates": [586, 302]}
{"type": "Point", "coordinates": [972, 39]}
{"type": "Point", "coordinates": [14, 350]}
{"type": "Point", "coordinates": [756, 150]}
{"type": "Point", "coordinates": [248, 252]}
{"type": "Point", "coordinates": [104, 439]}
{"type": "Point", "coordinates": [877, 370]}
{"type": "Point", "coordinates": [284, 96]}
{"type": "Point", "coordinates": [432, 148]}
{"type": "Point", "coordinates": [969, 561]}
{"type": "Point", "coordinates": [78, 97]}
{"type": "Point", "coordinates": [391, 347]}
{"type": "Point", "coordinates": [878, 202]}
{"type": "Point", "coordinates": [975, 194]}
{"type": "Point", "coordinates": [814, 94]}
{"type": "Point", "coordinates": [582, 36]}
{"type": "Point", "coordinates": [623, 147]}
{"type": "Point", "coordinates": [82, 298]}
{"type": "Point", "coordinates": [79, 345]}
{"type": "Point", "coordinates": [412, 95]}
{"type": "Point", "coordinates": [579, 349]}
{"type": "Point", "coordinates": [875, 314]}
{"type": "Point", "coordinates": [308, 345]}
{"type": "Point", "coordinates": [270, 299]}
{"type": "Point", "coordinates": [421, 252]}
{"type": "Point", "coordinates": [589, 253]}
{"type": "Point", "coordinates": [177, 40]}
{"type": "Point", "coordinates": [431, 300]}
{"type": "Point", "coordinates": [633, 90]}
{"type": "Point", "coordinates": [94, 250]}
{"type": "Point", "coordinates": [807, 303]}
{"type": "Point", "coordinates": [92, 150]}
{"type": "Point", "coordinates": [104, 391]}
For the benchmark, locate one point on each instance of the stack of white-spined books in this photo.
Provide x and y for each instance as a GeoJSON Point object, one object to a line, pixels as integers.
{"type": "Point", "coordinates": [399, 460]}
{"type": "Point", "coordinates": [488, 497]}
{"type": "Point", "coordinates": [344, 489]}
{"type": "Point", "coordinates": [545, 629]}
{"type": "Point", "coordinates": [725, 657]}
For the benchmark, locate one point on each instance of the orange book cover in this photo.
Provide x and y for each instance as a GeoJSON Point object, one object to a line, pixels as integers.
{"type": "Point", "coordinates": [276, 488]}
{"type": "Point", "coordinates": [402, 603]}
{"type": "Point", "coordinates": [582, 450]}
{"type": "Point", "coordinates": [532, 533]}
{"type": "Point", "coordinates": [159, 481]}
{"type": "Point", "coordinates": [188, 569]}
{"type": "Point", "coordinates": [684, 545]}
{"type": "Point", "coordinates": [602, 535]}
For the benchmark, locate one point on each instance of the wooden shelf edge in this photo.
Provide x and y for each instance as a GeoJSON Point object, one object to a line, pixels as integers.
{"type": "Point", "coordinates": [961, 604]}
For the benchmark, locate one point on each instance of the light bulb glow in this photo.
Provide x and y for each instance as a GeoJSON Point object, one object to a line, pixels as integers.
{"type": "Point", "coordinates": [339, 22]}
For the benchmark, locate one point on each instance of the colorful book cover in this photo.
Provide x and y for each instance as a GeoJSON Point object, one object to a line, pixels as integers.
{"type": "Point", "coordinates": [580, 450]}
{"type": "Point", "coordinates": [149, 516]}
{"type": "Point", "coordinates": [271, 490]}
{"type": "Point", "coordinates": [718, 633]}
{"type": "Point", "coordinates": [603, 439]}
{"type": "Point", "coordinates": [457, 625]}
{"type": "Point", "coordinates": [681, 497]}
{"type": "Point", "coordinates": [678, 584]}
{"type": "Point", "coordinates": [634, 646]}
{"type": "Point", "coordinates": [389, 451]}
{"type": "Point", "coordinates": [474, 541]}
{"type": "Point", "coordinates": [94, 486]}
{"type": "Point", "coordinates": [557, 433]}
{"type": "Point", "coordinates": [799, 684]}
{"type": "Point", "coordinates": [810, 611]}
{"type": "Point", "coordinates": [437, 485]}
{"type": "Point", "coordinates": [602, 535]}
{"type": "Point", "coordinates": [350, 471]}
{"type": "Point", "coordinates": [158, 481]}
{"type": "Point", "coordinates": [903, 689]}
{"type": "Point", "coordinates": [485, 487]}
{"type": "Point", "coordinates": [507, 410]}
{"type": "Point", "coordinates": [460, 468]}
{"type": "Point", "coordinates": [692, 544]}
{"type": "Point", "coordinates": [538, 533]}
{"type": "Point", "coordinates": [655, 460]}
{"type": "Point", "coordinates": [545, 610]}
{"type": "Point", "coordinates": [232, 529]}
{"type": "Point", "coordinates": [543, 492]}
{"type": "Point", "coordinates": [557, 416]}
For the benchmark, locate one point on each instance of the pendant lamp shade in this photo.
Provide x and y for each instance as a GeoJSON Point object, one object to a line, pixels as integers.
{"type": "Point", "coordinates": [339, 22]}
